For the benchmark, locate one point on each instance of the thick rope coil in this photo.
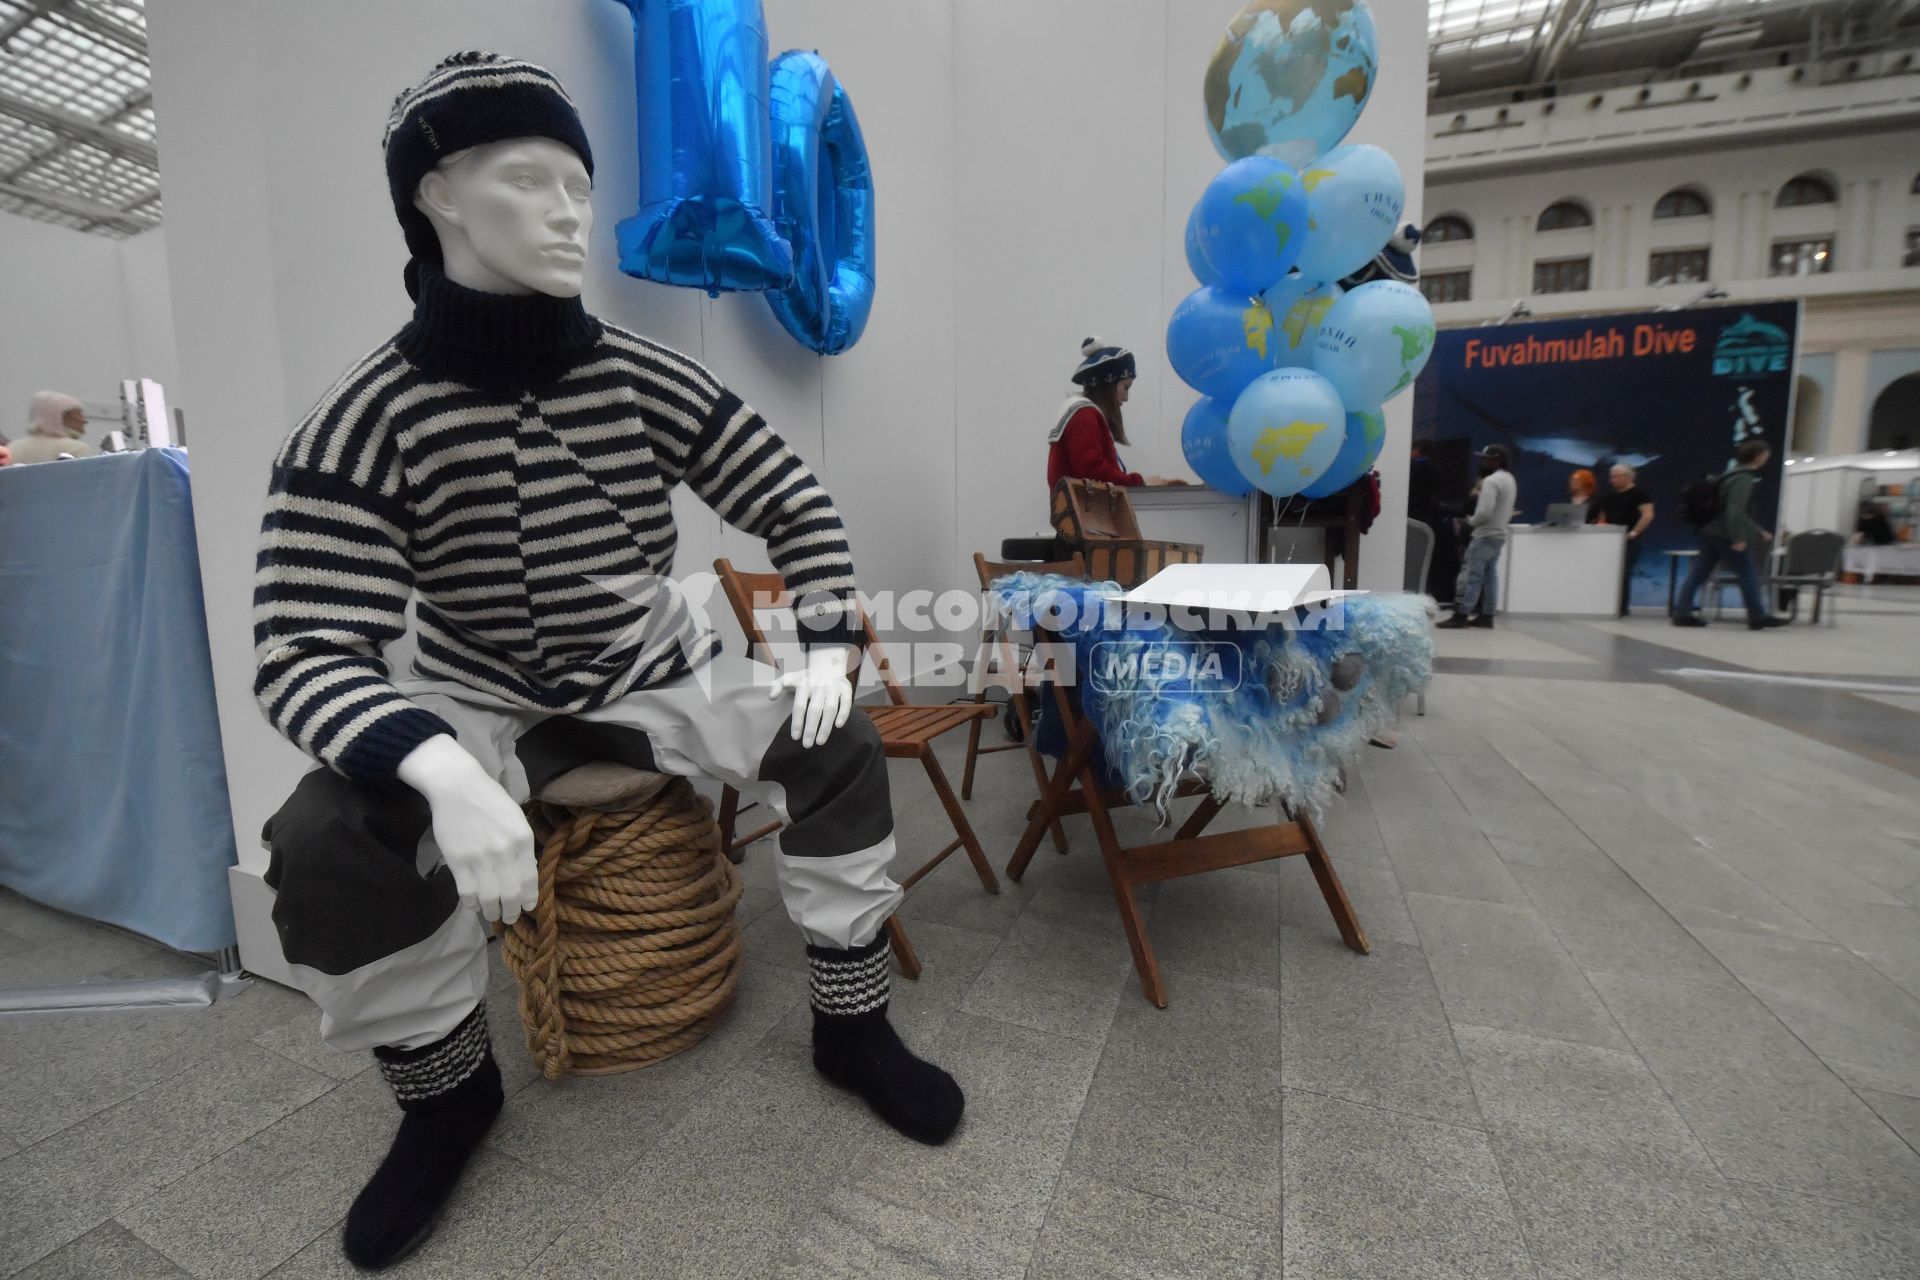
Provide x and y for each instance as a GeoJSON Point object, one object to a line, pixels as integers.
{"type": "Point", "coordinates": [632, 955]}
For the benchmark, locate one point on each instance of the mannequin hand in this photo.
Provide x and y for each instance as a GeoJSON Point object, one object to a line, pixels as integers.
{"type": "Point", "coordinates": [822, 694]}
{"type": "Point", "coordinates": [482, 834]}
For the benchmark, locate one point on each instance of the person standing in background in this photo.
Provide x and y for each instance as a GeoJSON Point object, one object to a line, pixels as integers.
{"type": "Point", "coordinates": [1580, 487]}
{"type": "Point", "coordinates": [1081, 444]}
{"type": "Point", "coordinates": [1628, 505]}
{"type": "Point", "coordinates": [1726, 538]}
{"type": "Point", "coordinates": [1477, 596]}
{"type": "Point", "coordinates": [55, 423]}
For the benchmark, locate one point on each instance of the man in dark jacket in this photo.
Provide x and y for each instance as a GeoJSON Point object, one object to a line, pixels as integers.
{"type": "Point", "coordinates": [1726, 537]}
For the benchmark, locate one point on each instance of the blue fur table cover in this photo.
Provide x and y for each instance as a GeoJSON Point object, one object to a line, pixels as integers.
{"type": "Point", "coordinates": [1307, 700]}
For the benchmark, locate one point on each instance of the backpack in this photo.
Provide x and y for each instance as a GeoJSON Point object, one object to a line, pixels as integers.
{"type": "Point", "coordinates": [1700, 501]}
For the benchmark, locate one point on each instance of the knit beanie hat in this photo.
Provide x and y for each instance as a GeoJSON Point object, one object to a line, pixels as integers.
{"type": "Point", "coordinates": [1102, 363]}
{"type": "Point", "coordinates": [469, 99]}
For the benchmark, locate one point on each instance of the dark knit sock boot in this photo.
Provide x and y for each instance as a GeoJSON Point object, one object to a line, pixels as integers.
{"type": "Point", "coordinates": [855, 1047]}
{"type": "Point", "coordinates": [450, 1093]}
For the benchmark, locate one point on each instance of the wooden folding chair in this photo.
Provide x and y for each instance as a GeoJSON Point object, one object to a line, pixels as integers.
{"type": "Point", "coordinates": [907, 731]}
{"type": "Point", "coordinates": [1075, 788]}
{"type": "Point", "coordinates": [1006, 657]}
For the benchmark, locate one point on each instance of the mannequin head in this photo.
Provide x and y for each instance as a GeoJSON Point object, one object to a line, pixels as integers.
{"type": "Point", "coordinates": [512, 216]}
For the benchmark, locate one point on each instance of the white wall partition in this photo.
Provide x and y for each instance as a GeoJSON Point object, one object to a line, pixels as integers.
{"type": "Point", "coordinates": [1034, 166]}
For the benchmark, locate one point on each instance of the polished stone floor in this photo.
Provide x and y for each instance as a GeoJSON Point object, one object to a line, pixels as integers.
{"type": "Point", "coordinates": [1644, 1001]}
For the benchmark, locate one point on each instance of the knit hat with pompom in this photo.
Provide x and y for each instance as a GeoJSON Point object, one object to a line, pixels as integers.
{"type": "Point", "coordinates": [1102, 362]}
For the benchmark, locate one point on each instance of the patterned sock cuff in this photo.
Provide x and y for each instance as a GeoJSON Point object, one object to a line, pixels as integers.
{"type": "Point", "coordinates": [418, 1075]}
{"type": "Point", "coordinates": [846, 983]}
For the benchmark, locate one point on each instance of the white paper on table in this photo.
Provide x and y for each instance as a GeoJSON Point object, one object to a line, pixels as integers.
{"type": "Point", "coordinates": [1238, 588]}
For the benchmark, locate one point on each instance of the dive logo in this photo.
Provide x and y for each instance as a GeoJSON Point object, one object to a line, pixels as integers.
{"type": "Point", "coordinates": [1752, 348]}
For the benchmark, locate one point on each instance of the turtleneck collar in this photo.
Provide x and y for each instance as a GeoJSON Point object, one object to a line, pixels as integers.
{"type": "Point", "coordinates": [494, 341]}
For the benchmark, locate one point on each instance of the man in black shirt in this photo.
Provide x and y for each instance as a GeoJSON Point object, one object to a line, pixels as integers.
{"type": "Point", "coordinates": [1626, 503]}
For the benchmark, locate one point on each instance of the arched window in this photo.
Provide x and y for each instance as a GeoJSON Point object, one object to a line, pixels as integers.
{"type": "Point", "coordinates": [1448, 226]}
{"type": "Point", "coordinates": [1806, 189]}
{"type": "Point", "coordinates": [1682, 202]}
{"type": "Point", "coordinates": [1562, 214]}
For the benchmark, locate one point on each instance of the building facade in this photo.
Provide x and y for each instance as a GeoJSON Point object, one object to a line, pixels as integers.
{"type": "Point", "coordinates": [1786, 182]}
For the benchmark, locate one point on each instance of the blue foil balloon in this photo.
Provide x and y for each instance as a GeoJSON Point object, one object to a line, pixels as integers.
{"type": "Point", "coordinates": [1252, 219]}
{"type": "Point", "coordinates": [1355, 196]}
{"type": "Point", "coordinates": [1197, 261]}
{"type": "Point", "coordinates": [822, 205]}
{"type": "Point", "coordinates": [1203, 439]}
{"type": "Point", "coordinates": [1375, 341]}
{"type": "Point", "coordinates": [701, 82]}
{"type": "Point", "coordinates": [1298, 307]}
{"type": "Point", "coordinates": [1285, 430]}
{"type": "Point", "coordinates": [1366, 435]}
{"type": "Point", "coordinates": [1290, 77]}
{"type": "Point", "coordinates": [1219, 341]}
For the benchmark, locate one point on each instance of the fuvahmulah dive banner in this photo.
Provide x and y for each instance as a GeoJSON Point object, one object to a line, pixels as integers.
{"type": "Point", "coordinates": [1669, 393]}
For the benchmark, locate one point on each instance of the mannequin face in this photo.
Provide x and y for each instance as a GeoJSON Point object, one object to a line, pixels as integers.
{"type": "Point", "coordinates": [513, 217]}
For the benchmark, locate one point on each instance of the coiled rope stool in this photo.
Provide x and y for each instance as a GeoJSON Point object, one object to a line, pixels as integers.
{"type": "Point", "coordinates": [632, 954]}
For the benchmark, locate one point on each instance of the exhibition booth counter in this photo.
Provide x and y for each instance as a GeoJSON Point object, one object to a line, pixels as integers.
{"type": "Point", "coordinates": [1573, 571]}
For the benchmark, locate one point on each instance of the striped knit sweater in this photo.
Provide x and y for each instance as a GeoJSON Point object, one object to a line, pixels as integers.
{"type": "Point", "coordinates": [497, 506]}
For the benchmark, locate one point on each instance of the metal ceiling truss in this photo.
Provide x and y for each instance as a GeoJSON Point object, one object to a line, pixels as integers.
{"type": "Point", "coordinates": [76, 115]}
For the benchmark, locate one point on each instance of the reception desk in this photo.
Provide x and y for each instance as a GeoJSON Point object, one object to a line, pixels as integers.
{"type": "Point", "coordinates": [1565, 571]}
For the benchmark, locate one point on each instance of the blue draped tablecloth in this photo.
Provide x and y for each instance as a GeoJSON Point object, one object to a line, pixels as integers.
{"type": "Point", "coordinates": [113, 791]}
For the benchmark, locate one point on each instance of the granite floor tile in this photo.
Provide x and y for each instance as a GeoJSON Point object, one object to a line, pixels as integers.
{"type": "Point", "coordinates": [1764, 1106]}
{"type": "Point", "coordinates": [71, 1066]}
{"type": "Point", "coordinates": [1186, 1102]}
{"type": "Point", "coordinates": [298, 1040]}
{"type": "Point", "coordinates": [1436, 847]}
{"type": "Point", "coordinates": [1098, 1231]}
{"type": "Point", "coordinates": [1221, 924]}
{"type": "Point", "coordinates": [1373, 891]}
{"type": "Point", "coordinates": [1054, 980]}
{"type": "Point", "coordinates": [1600, 1104]}
{"type": "Point", "coordinates": [1369, 1029]}
{"type": "Point", "coordinates": [1500, 966]}
{"type": "Point", "coordinates": [1373, 1194]}
{"type": "Point", "coordinates": [61, 1188]}
{"type": "Point", "coordinates": [1697, 888]}
{"type": "Point", "coordinates": [107, 1250]}
{"type": "Point", "coordinates": [591, 1129]}
{"type": "Point", "coordinates": [247, 1211]}
{"type": "Point", "coordinates": [975, 1206]}
{"type": "Point", "coordinates": [1609, 924]}
{"type": "Point", "coordinates": [1820, 1240]}
{"type": "Point", "coordinates": [1863, 1025]}
{"type": "Point", "coordinates": [69, 952]}
{"type": "Point", "coordinates": [503, 1217]}
{"type": "Point", "coordinates": [1901, 1112]}
{"type": "Point", "coordinates": [1589, 1218]}
{"type": "Point", "coordinates": [1888, 938]}
{"type": "Point", "coordinates": [716, 1192]}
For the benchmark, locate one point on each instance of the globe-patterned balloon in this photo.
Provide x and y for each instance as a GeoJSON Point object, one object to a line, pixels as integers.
{"type": "Point", "coordinates": [1253, 221]}
{"type": "Point", "coordinates": [1197, 261]}
{"type": "Point", "coordinates": [1366, 436]}
{"type": "Point", "coordinates": [1375, 341]}
{"type": "Point", "coordinates": [1285, 430]}
{"type": "Point", "coordinates": [1219, 341]}
{"type": "Point", "coordinates": [1290, 77]}
{"type": "Point", "coordinates": [1203, 440]}
{"type": "Point", "coordinates": [1298, 307]}
{"type": "Point", "coordinates": [1355, 196]}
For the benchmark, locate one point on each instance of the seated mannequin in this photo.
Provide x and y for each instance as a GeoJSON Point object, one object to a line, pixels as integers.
{"type": "Point", "coordinates": [501, 456]}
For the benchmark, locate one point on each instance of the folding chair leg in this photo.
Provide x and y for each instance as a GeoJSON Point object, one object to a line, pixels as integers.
{"type": "Point", "coordinates": [1197, 820]}
{"type": "Point", "coordinates": [903, 953]}
{"type": "Point", "coordinates": [1058, 788]}
{"type": "Point", "coordinates": [1331, 889]}
{"type": "Point", "coordinates": [973, 752]}
{"type": "Point", "coordinates": [1420, 701]}
{"type": "Point", "coordinates": [961, 827]}
{"type": "Point", "coordinates": [1145, 964]}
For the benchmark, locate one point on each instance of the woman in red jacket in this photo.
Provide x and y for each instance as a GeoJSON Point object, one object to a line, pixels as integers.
{"type": "Point", "coordinates": [1082, 441]}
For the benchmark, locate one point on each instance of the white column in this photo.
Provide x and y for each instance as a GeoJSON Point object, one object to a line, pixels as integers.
{"type": "Point", "coordinates": [1857, 210]}
{"type": "Point", "coordinates": [1847, 405]}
